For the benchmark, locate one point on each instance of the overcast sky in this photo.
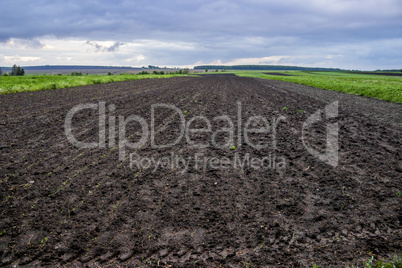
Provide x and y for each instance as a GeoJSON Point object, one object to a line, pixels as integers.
{"type": "Point", "coordinates": [351, 34]}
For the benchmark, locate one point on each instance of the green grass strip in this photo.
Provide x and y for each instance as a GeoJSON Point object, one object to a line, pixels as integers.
{"type": "Point", "coordinates": [26, 83]}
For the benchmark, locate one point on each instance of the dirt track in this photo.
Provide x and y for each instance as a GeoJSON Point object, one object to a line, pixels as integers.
{"type": "Point", "coordinates": [62, 205]}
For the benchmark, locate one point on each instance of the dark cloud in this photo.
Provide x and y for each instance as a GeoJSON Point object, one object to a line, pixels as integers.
{"type": "Point", "coordinates": [95, 45]}
{"type": "Point", "coordinates": [140, 19]}
{"type": "Point", "coordinates": [115, 46]}
{"type": "Point", "coordinates": [102, 48]}
{"type": "Point", "coordinates": [221, 29]}
{"type": "Point", "coordinates": [25, 43]}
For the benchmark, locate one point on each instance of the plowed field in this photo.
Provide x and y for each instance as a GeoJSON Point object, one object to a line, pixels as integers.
{"type": "Point", "coordinates": [229, 202]}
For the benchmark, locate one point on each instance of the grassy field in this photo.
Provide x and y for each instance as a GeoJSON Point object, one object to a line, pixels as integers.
{"type": "Point", "coordinates": [14, 84]}
{"type": "Point", "coordinates": [383, 87]}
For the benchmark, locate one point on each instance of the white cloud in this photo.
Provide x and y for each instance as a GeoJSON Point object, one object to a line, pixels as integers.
{"type": "Point", "coordinates": [22, 59]}
{"type": "Point", "coordinates": [252, 61]}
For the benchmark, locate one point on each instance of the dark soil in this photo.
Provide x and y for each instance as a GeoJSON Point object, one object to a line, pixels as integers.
{"type": "Point", "coordinates": [66, 206]}
{"type": "Point", "coordinates": [387, 74]}
{"type": "Point", "coordinates": [279, 74]}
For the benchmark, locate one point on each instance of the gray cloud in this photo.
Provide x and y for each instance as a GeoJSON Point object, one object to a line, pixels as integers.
{"type": "Point", "coordinates": [101, 48]}
{"type": "Point", "coordinates": [33, 43]}
{"type": "Point", "coordinates": [115, 46]}
{"type": "Point", "coordinates": [221, 29]}
{"type": "Point", "coordinates": [25, 43]}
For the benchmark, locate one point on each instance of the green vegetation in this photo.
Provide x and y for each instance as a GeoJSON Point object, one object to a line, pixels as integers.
{"type": "Point", "coordinates": [14, 84]}
{"type": "Point", "coordinates": [371, 263]}
{"type": "Point", "coordinates": [17, 71]}
{"type": "Point", "coordinates": [395, 263]}
{"type": "Point", "coordinates": [76, 74]}
{"type": "Point", "coordinates": [383, 87]}
{"type": "Point", "coordinates": [156, 72]}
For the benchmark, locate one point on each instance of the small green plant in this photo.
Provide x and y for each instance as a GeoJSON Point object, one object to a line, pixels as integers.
{"type": "Point", "coordinates": [395, 263]}
{"type": "Point", "coordinates": [285, 108]}
{"type": "Point", "coordinates": [233, 147]}
{"type": "Point", "coordinates": [399, 194]}
{"type": "Point", "coordinates": [185, 112]}
{"type": "Point", "coordinates": [344, 192]}
{"type": "Point", "coordinates": [247, 264]}
{"type": "Point", "coordinates": [43, 241]}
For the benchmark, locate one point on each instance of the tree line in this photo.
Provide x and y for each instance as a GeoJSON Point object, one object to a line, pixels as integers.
{"type": "Point", "coordinates": [15, 71]}
{"type": "Point", "coordinates": [264, 67]}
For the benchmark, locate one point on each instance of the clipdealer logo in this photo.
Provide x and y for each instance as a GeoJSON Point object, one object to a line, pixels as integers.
{"type": "Point", "coordinates": [243, 129]}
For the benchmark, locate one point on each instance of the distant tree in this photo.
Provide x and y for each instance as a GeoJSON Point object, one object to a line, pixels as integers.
{"type": "Point", "coordinates": [186, 71]}
{"type": "Point", "coordinates": [17, 71]}
{"type": "Point", "coordinates": [206, 70]}
{"type": "Point", "coordinates": [14, 70]}
{"type": "Point", "coordinates": [76, 74]}
{"type": "Point", "coordinates": [1, 72]}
